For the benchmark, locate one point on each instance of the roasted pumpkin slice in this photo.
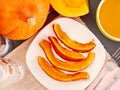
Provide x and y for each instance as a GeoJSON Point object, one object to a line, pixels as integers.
{"type": "Point", "coordinates": [59, 75]}
{"type": "Point", "coordinates": [64, 52]}
{"type": "Point", "coordinates": [76, 46]}
{"type": "Point", "coordinates": [65, 65]}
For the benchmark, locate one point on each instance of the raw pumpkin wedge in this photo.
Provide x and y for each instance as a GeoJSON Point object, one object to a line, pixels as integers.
{"type": "Point", "coordinates": [64, 52]}
{"type": "Point", "coordinates": [65, 65]}
{"type": "Point", "coordinates": [74, 45]}
{"type": "Point", "coordinates": [71, 8]}
{"type": "Point", "coordinates": [59, 75]}
{"type": "Point", "coordinates": [20, 19]}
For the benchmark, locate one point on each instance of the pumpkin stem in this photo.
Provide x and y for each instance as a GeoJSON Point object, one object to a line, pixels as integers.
{"type": "Point", "coordinates": [31, 21]}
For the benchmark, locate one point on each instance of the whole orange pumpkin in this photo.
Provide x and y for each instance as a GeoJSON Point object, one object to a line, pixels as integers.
{"type": "Point", "coordinates": [20, 19]}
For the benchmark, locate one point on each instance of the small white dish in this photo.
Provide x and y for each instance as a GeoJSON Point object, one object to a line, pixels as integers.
{"type": "Point", "coordinates": [77, 32]}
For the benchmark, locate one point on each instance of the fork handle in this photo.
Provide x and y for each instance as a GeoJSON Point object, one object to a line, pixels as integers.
{"type": "Point", "coordinates": [99, 81]}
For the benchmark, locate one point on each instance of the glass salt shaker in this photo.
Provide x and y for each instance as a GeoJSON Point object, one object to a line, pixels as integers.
{"type": "Point", "coordinates": [5, 46]}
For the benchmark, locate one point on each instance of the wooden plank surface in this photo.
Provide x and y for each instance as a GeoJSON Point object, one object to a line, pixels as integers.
{"type": "Point", "coordinates": [28, 82]}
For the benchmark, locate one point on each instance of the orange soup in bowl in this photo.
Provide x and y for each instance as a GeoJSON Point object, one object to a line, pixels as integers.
{"type": "Point", "coordinates": [108, 18]}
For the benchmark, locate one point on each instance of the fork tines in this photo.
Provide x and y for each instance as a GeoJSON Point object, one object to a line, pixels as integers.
{"type": "Point", "coordinates": [116, 56]}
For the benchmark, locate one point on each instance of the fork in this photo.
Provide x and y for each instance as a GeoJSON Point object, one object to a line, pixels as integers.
{"type": "Point", "coordinates": [116, 57]}
{"type": "Point", "coordinates": [115, 77]}
{"type": "Point", "coordinates": [110, 65]}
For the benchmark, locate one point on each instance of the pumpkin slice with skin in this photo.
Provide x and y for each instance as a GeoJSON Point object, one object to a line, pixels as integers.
{"type": "Point", "coordinates": [74, 45]}
{"type": "Point", "coordinates": [20, 19]}
{"type": "Point", "coordinates": [71, 8]}
{"type": "Point", "coordinates": [64, 52]}
{"type": "Point", "coordinates": [65, 65]}
{"type": "Point", "coordinates": [59, 75]}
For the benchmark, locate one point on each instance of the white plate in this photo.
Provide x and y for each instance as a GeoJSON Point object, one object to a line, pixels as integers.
{"type": "Point", "coordinates": [77, 32]}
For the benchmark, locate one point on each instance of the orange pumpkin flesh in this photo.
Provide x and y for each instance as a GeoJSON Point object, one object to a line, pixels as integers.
{"type": "Point", "coordinates": [65, 65]}
{"type": "Point", "coordinates": [71, 8]}
{"type": "Point", "coordinates": [76, 46]}
{"type": "Point", "coordinates": [59, 75]}
{"type": "Point", "coordinates": [63, 52]}
{"type": "Point", "coordinates": [20, 19]}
